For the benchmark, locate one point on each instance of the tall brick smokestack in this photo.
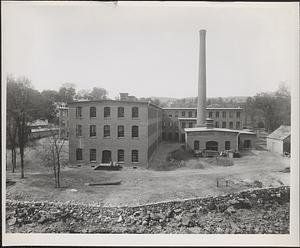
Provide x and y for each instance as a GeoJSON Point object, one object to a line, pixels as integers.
{"type": "Point", "coordinates": [201, 107]}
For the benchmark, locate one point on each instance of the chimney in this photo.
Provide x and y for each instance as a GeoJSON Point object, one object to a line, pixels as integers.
{"type": "Point", "coordinates": [201, 107]}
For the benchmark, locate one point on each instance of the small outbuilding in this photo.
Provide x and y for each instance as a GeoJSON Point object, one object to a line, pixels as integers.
{"type": "Point", "coordinates": [280, 140]}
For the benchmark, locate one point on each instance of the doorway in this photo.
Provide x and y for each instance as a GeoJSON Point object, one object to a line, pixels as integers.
{"type": "Point", "coordinates": [106, 157]}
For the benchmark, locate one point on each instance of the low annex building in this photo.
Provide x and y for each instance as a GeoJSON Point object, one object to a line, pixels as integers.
{"type": "Point", "coordinates": [280, 140]}
{"type": "Point", "coordinates": [112, 130]}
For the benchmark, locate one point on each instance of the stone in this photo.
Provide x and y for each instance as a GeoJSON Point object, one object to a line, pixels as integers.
{"type": "Point", "coordinates": [195, 229]}
{"type": "Point", "coordinates": [12, 221]}
{"type": "Point", "coordinates": [178, 210]}
{"type": "Point", "coordinates": [120, 219]}
{"type": "Point", "coordinates": [219, 230]}
{"type": "Point", "coordinates": [230, 210]}
{"type": "Point", "coordinates": [186, 220]}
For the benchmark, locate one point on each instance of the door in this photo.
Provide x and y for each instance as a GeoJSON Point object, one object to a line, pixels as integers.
{"type": "Point", "coordinates": [106, 157]}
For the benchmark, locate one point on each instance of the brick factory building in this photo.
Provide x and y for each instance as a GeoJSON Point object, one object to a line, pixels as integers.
{"type": "Point", "coordinates": [108, 130]}
{"type": "Point", "coordinates": [128, 131]}
{"type": "Point", "coordinates": [175, 120]}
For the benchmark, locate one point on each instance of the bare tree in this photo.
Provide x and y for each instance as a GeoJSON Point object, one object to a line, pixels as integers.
{"type": "Point", "coordinates": [11, 131]}
{"type": "Point", "coordinates": [23, 106]}
{"type": "Point", "coordinates": [53, 155]}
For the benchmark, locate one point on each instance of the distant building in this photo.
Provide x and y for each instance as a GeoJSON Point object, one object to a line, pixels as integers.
{"type": "Point", "coordinates": [280, 140]}
{"type": "Point", "coordinates": [175, 120]}
{"type": "Point", "coordinates": [113, 130]}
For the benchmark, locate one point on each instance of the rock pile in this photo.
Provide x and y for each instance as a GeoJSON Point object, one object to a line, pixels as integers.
{"type": "Point", "coordinates": [252, 211]}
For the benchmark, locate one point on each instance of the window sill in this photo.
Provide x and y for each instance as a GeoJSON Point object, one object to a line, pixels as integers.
{"type": "Point", "coordinates": [121, 137]}
{"type": "Point", "coordinates": [107, 137]}
{"type": "Point", "coordinates": [93, 162]}
{"type": "Point", "coordinates": [93, 137]}
{"type": "Point", "coordinates": [135, 138]}
{"type": "Point", "coordinates": [79, 136]}
{"type": "Point", "coordinates": [135, 162]}
{"type": "Point", "coordinates": [93, 117]}
{"type": "Point", "coordinates": [107, 118]}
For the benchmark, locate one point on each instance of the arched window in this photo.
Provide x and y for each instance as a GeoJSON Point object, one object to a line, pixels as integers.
{"type": "Point", "coordinates": [120, 112]}
{"type": "Point", "coordinates": [120, 155]}
{"type": "Point", "coordinates": [92, 111]}
{"type": "Point", "coordinates": [93, 155]}
{"type": "Point", "coordinates": [135, 112]}
{"type": "Point", "coordinates": [106, 156]}
{"type": "Point", "coordinates": [212, 145]}
{"type": "Point", "coordinates": [120, 131]}
{"type": "Point", "coordinates": [134, 156]}
{"type": "Point", "coordinates": [196, 145]}
{"type": "Point", "coordinates": [106, 131]}
{"type": "Point", "coordinates": [135, 131]}
{"type": "Point", "coordinates": [106, 112]}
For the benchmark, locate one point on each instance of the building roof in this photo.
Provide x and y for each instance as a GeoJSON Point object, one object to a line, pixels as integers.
{"type": "Point", "coordinates": [191, 119]}
{"type": "Point", "coordinates": [238, 108]}
{"type": "Point", "coordinates": [280, 133]}
{"type": "Point", "coordinates": [205, 129]}
{"type": "Point", "coordinates": [113, 101]}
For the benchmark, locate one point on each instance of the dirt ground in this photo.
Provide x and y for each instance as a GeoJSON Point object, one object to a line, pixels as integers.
{"type": "Point", "coordinates": [257, 168]}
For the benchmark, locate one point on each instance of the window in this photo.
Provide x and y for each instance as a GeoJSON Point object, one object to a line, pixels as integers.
{"type": "Point", "coordinates": [183, 124]}
{"type": "Point", "coordinates": [238, 114]}
{"type": "Point", "coordinates": [106, 131]}
{"type": "Point", "coordinates": [170, 115]}
{"type": "Point", "coordinates": [79, 130]}
{"type": "Point", "coordinates": [135, 156]}
{"type": "Point", "coordinates": [78, 112]}
{"type": "Point", "coordinates": [120, 131]}
{"type": "Point", "coordinates": [92, 112]}
{"type": "Point", "coordinates": [217, 114]}
{"type": "Point", "coordinates": [120, 112]}
{"type": "Point", "coordinates": [93, 157]}
{"type": "Point", "coordinates": [190, 114]}
{"type": "Point", "coordinates": [120, 155]}
{"type": "Point", "coordinates": [227, 145]}
{"type": "Point", "coordinates": [224, 124]}
{"type": "Point", "coordinates": [238, 125]}
{"type": "Point", "coordinates": [210, 114]}
{"type": "Point", "coordinates": [190, 124]}
{"type": "Point", "coordinates": [170, 136]}
{"type": "Point", "coordinates": [106, 112]}
{"type": "Point", "coordinates": [224, 114]}
{"type": "Point", "coordinates": [176, 113]}
{"type": "Point", "coordinates": [231, 124]}
{"type": "Point", "coordinates": [78, 154]}
{"type": "Point", "coordinates": [170, 123]}
{"type": "Point", "coordinates": [196, 145]}
{"type": "Point", "coordinates": [196, 114]}
{"type": "Point", "coordinates": [164, 124]}
{"type": "Point", "coordinates": [135, 131]}
{"type": "Point", "coordinates": [230, 114]}
{"type": "Point", "coordinates": [176, 124]}
{"type": "Point", "coordinates": [212, 145]}
{"type": "Point", "coordinates": [92, 130]}
{"type": "Point", "coordinates": [135, 112]}
{"type": "Point", "coordinates": [216, 124]}
{"type": "Point", "coordinates": [183, 113]}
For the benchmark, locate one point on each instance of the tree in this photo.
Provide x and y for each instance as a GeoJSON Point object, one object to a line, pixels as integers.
{"type": "Point", "coordinates": [67, 92]}
{"type": "Point", "coordinates": [49, 100]}
{"type": "Point", "coordinates": [23, 106]}
{"type": "Point", "coordinates": [53, 155]}
{"type": "Point", "coordinates": [11, 131]}
{"type": "Point", "coordinates": [98, 94]}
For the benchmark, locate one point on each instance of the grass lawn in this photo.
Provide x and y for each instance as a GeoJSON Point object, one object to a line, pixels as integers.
{"type": "Point", "coordinates": [141, 186]}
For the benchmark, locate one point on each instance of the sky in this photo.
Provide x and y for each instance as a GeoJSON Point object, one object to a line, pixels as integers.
{"type": "Point", "coordinates": [151, 49]}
